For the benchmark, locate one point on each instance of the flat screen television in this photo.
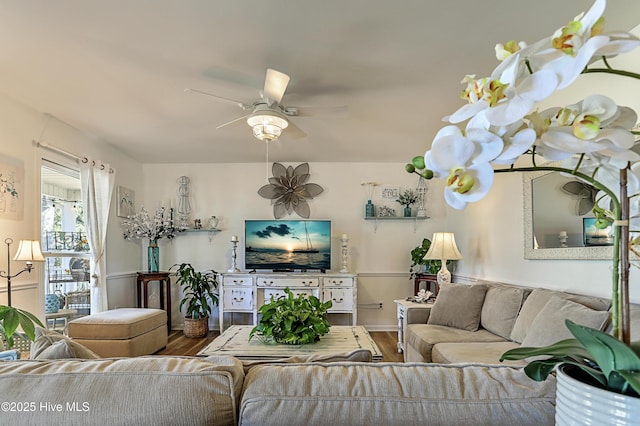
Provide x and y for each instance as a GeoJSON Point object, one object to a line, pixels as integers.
{"type": "Point", "coordinates": [287, 245]}
{"type": "Point", "coordinates": [594, 236]}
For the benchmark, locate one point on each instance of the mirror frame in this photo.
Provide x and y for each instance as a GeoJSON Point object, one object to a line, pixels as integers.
{"type": "Point", "coordinates": [562, 253]}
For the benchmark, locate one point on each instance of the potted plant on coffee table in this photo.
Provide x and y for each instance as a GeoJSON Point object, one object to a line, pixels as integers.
{"type": "Point", "coordinates": [293, 320]}
{"type": "Point", "coordinates": [200, 289]}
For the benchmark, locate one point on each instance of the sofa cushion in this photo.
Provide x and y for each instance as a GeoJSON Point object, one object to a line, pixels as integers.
{"type": "Point", "coordinates": [458, 306]}
{"type": "Point", "coordinates": [549, 325]}
{"type": "Point", "coordinates": [475, 352]}
{"type": "Point", "coordinates": [422, 337]}
{"type": "Point", "coordinates": [50, 344]}
{"type": "Point", "coordinates": [500, 309]}
{"type": "Point", "coordinates": [394, 394]}
{"type": "Point", "coordinates": [124, 391]}
{"type": "Point", "coordinates": [539, 298]}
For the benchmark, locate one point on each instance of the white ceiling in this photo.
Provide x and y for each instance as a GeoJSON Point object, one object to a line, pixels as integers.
{"type": "Point", "coordinates": [117, 69]}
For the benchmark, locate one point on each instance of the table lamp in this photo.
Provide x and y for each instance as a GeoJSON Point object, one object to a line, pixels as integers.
{"type": "Point", "coordinates": [29, 251]}
{"type": "Point", "coordinates": [443, 247]}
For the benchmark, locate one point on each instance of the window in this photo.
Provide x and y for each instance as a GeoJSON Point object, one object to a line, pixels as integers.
{"type": "Point", "coordinates": [64, 238]}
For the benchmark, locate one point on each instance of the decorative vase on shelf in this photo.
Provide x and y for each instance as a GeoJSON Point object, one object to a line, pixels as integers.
{"type": "Point", "coordinates": [51, 303]}
{"type": "Point", "coordinates": [212, 223]}
{"type": "Point", "coordinates": [370, 210]}
{"type": "Point", "coordinates": [153, 256]}
{"type": "Point", "coordinates": [407, 212]}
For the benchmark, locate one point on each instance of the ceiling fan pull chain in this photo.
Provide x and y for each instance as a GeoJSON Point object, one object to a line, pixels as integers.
{"type": "Point", "coordinates": [267, 163]}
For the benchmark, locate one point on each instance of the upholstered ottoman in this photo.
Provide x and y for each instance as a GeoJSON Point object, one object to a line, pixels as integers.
{"type": "Point", "coordinates": [122, 332]}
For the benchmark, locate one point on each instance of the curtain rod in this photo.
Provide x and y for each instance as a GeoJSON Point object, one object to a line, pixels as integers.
{"type": "Point", "coordinates": [68, 154]}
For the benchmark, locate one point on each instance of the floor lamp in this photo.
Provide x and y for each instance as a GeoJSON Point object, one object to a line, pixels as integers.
{"type": "Point", "coordinates": [443, 247]}
{"type": "Point", "coordinates": [28, 251]}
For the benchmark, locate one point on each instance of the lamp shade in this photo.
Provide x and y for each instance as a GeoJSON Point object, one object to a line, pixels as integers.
{"type": "Point", "coordinates": [443, 247]}
{"type": "Point", "coordinates": [29, 251]}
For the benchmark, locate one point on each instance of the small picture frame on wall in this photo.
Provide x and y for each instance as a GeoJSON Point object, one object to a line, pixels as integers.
{"type": "Point", "coordinates": [125, 201]}
{"type": "Point", "coordinates": [389, 192]}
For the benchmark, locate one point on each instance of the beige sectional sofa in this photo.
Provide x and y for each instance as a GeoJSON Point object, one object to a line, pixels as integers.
{"type": "Point", "coordinates": [478, 323]}
{"type": "Point", "coordinates": [156, 390]}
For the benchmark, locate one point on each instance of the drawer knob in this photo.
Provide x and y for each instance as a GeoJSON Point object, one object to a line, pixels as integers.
{"type": "Point", "coordinates": [238, 299]}
{"type": "Point", "coordinates": [338, 300]}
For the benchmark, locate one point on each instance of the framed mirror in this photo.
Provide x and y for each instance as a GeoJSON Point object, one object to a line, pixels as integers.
{"type": "Point", "coordinates": [548, 212]}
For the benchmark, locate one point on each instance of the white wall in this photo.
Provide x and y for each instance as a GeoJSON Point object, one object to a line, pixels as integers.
{"type": "Point", "coordinates": [19, 126]}
{"type": "Point", "coordinates": [490, 236]}
{"type": "Point", "coordinates": [380, 256]}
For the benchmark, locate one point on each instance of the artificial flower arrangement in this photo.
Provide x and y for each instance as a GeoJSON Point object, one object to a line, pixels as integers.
{"type": "Point", "coordinates": [407, 198]}
{"type": "Point", "coordinates": [141, 225]}
{"type": "Point", "coordinates": [590, 140]}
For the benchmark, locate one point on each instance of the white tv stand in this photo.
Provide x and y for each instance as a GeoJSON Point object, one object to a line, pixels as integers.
{"type": "Point", "coordinates": [247, 292]}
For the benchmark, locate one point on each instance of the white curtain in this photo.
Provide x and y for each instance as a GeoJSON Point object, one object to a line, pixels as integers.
{"type": "Point", "coordinates": [97, 181]}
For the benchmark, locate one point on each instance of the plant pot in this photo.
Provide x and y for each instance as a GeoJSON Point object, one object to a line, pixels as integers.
{"type": "Point", "coordinates": [407, 212]}
{"type": "Point", "coordinates": [580, 403]}
{"type": "Point", "coordinates": [196, 328]}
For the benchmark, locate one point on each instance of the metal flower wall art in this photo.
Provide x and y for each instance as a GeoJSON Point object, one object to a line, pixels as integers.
{"type": "Point", "coordinates": [289, 191]}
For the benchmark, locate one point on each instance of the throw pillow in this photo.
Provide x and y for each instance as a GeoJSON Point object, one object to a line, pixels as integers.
{"type": "Point", "coordinates": [530, 308]}
{"type": "Point", "coordinates": [548, 326]}
{"type": "Point", "coordinates": [458, 306]}
{"type": "Point", "coordinates": [500, 309]}
{"type": "Point", "coordinates": [53, 345]}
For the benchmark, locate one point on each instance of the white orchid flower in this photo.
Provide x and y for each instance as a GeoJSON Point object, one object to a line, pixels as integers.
{"type": "Point", "coordinates": [596, 124]}
{"type": "Point", "coordinates": [464, 161]}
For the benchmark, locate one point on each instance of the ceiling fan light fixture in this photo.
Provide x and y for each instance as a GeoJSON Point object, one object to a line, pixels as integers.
{"type": "Point", "coordinates": [267, 125]}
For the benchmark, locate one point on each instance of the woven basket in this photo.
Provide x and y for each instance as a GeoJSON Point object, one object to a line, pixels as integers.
{"type": "Point", "coordinates": [196, 328]}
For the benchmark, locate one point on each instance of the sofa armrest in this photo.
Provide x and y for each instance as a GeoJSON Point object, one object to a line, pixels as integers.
{"type": "Point", "coordinates": [417, 316]}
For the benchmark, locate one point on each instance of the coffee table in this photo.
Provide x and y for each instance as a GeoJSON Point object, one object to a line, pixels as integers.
{"type": "Point", "coordinates": [234, 341]}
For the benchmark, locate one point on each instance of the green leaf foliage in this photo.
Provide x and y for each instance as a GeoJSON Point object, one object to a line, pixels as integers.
{"type": "Point", "coordinates": [200, 290]}
{"type": "Point", "coordinates": [11, 318]}
{"type": "Point", "coordinates": [606, 359]}
{"type": "Point", "coordinates": [293, 320]}
{"type": "Point", "coordinates": [417, 258]}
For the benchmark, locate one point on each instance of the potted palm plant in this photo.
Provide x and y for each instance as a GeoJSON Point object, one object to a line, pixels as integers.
{"type": "Point", "coordinates": [200, 289]}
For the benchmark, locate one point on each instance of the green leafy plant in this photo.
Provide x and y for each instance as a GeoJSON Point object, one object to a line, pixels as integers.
{"type": "Point", "coordinates": [408, 198]}
{"type": "Point", "coordinates": [417, 258]}
{"type": "Point", "coordinates": [293, 320]}
{"type": "Point", "coordinates": [612, 364]}
{"type": "Point", "coordinates": [199, 288]}
{"type": "Point", "coordinates": [11, 318]}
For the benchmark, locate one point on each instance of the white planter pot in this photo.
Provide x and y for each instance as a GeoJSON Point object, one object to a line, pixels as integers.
{"type": "Point", "coordinates": [578, 403]}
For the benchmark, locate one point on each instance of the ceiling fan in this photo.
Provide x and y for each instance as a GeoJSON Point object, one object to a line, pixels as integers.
{"type": "Point", "coordinates": [268, 118]}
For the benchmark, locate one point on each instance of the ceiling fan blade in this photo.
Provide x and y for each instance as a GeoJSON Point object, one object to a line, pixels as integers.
{"type": "Point", "coordinates": [294, 132]}
{"type": "Point", "coordinates": [234, 101]}
{"type": "Point", "coordinates": [325, 111]}
{"type": "Point", "coordinates": [275, 84]}
{"type": "Point", "coordinates": [235, 120]}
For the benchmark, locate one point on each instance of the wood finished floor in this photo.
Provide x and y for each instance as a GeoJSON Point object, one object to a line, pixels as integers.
{"type": "Point", "coordinates": [180, 345]}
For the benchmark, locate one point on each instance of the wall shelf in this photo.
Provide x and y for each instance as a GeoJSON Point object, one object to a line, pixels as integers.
{"type": "Point", "coordinates": [414, 219]}
{"type": "Point", "coordinates": [211, 231]}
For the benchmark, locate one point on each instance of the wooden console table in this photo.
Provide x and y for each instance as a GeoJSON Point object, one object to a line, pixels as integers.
{"type": "Point", "coordinates": [142, 293]}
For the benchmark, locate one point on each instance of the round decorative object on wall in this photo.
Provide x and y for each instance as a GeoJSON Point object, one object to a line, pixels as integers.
{"type": "Point", "coordinates": [289, 191]}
